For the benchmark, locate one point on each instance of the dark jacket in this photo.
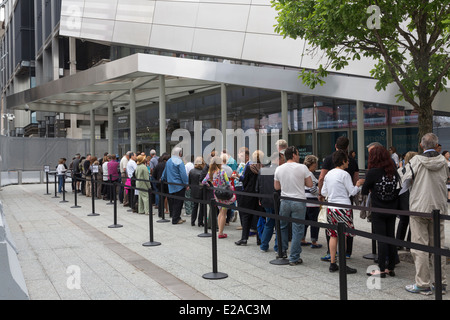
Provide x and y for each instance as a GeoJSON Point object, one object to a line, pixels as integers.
{"type": "Point", "coordinates": [265, 185]}
{"type": "Point", "coordinates": [249, 184]}
{"type": "Point", "coordinates": [195, 178]}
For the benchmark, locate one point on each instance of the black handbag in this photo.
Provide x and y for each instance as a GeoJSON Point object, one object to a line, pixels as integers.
{"type": "Point", "coordinates": [223, 193]}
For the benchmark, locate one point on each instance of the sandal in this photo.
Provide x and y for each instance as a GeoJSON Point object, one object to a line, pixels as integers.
{"type": "Point", "coordinates": [223, 236]}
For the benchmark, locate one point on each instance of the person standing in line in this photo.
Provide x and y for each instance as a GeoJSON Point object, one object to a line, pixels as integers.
{"type": "Point", "coordinates": [338, 187]}
{"type": "Point", "coordinates": [266, 186]}
{"type": "Point", "coordinates": [238, 175]}
{"type": "Point", "coordinates": [106, 178]}
{"type": "Point", "coordinates": [60, 171]}
{"type": "Point", "coordinates": [163, 188]}
{"type": "Point", "coordinates": [427, 173]}
{"type": "Point", "coordinates": [197, 192]}
{"type": "Point", "coordinates": [143, 184]}
{"type": "Point", "coordinates": [249, 183]}
{"type": "Point", "coordinates": [113, 170]}
{"type": "Point", "coordinates": [291, 178]}
{"type": "Point", "coordinates": [189, 165]}
{"type": "Point", "coordinates": [312, 210]}
{"type": "Point", "coordinates": [131, 167]}
{"type": "Point", "coordinates": [403, 204]}
{"type": "Point", "coordinates": [76, 172]}
{"type": "Point", "coordinates": [382, 181]}
{"type": "Point", "coordinates": [342, 143]}
{"type": "Point", "coordinates": [217, 177]}
{"type": "Point", "coordinates": [175, 172]}
{"type": "Point", "coordinates": [87, 173]}
{"type": "Point", "coordinates": [394, 156]}
{"type": "Point", "coordinates": [123, 174]}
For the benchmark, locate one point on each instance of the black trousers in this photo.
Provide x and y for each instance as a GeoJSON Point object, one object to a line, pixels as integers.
{"type": "Point", "coordinates": [384, 224]}
{"type": "Point", "coordinates": [175, 205]}
{"type": "Point", "coordinates": [195, 210]}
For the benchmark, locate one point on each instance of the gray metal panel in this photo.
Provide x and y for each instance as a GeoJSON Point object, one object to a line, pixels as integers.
{"type": "Point", "coordinates": [227, 17]}
{"type": "Point", "coordinates": [176, 13]}
{"type": "Point", "coordinates": [100, 9]}
{"type": "Point", "coordinates": [133, 33]}
{"type": "Point", "coordinates": [135, 10]}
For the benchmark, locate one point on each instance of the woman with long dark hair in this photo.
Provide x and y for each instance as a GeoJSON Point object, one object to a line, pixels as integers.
{"type": "Point", "coordinates": [382, 181]}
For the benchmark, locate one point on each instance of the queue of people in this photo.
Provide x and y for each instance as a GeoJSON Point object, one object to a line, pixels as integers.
{"type": "Point", "coordinates": [412, 182]}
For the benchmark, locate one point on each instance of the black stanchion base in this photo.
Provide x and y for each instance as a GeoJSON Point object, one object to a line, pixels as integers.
{"type": "Point", "coordinates": [115, 226]}
{"type": "Point", "coordinates": [45, 194]}
{"type": "Point", "coordinates": [93, 214]}
{"type": "Point", "coordinates": [370, 256]}
{"type": "Point", "coordinates": [109, 203]}
{"type": "Point", "coordinates": [215, 276]}
{"type": "Point", "coordinates": [205, 235]}
{"type": "Point", "coordinates": [55, 197]}
{"type": "Point", "coordinates": [63, 201]}
{"type": "Point", "coordinates": [151, 244]}
{"type": "Point", "coordinates": [280, 262]}
{"type": "Point", "coordinates": [75, 207]}
{"type": "Point", "coordinates": [162, 220]}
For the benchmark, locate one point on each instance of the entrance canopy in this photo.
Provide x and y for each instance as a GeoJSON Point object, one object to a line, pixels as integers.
{"type": "Point", "coordinates": [95, 88]}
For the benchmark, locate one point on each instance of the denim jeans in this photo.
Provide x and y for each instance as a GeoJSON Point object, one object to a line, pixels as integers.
{"type": "Point", "coordinates": [60, 183]}
{"type": "Point", "coordinates": [295, 210]}
{"type": "Point", "coordinates": [268, 232]}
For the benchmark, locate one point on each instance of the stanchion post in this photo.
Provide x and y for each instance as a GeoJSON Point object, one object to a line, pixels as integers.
{"type": "Point", "coordinates": [115, 225]}
{"type": "Point", "coordinates": [203, 208]}
{"type": "Point", "coordinates": [437, 257]}
{"type": "Point", "coordinates": [161, 204]}
{"type": "Point", "coordinates": [150, 243]}
{"type": "Point", "coordinates": [280, 260]}
{"type": "Point", "coordinates": [56, 196]}
{"type": "Point", "coordinates": [75, 194]}
{"type": "Point", "coordinates": [64, 189]}
{"type": "Point", "coordinates": [93, 197]}
{"type": "Point", "coordinates": [215, 275]}
{"type": "Point", "coordinates": [110, 186]}
{"type": "Point", "coordinates": [46, 178]}
{"type": "Point", "coordinates": [342, 261]}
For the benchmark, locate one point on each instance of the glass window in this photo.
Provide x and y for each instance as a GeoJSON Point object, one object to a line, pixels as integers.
{"type": "Point", "coordinates": [304, 144]}
{"type": "Point", "coordinates": [375, 135]}
{"type": "Point", "coordinates": [331, 114]}
{"type": "Point", "coordinates": [405, 139]}
{"type": "Point", "coordinates": [326, 142]}
{"type": "Point", "coordinates": [400, 116]}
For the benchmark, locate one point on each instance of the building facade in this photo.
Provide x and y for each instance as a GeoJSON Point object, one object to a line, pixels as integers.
{"type": "Point", "coordinates": [248, 80]}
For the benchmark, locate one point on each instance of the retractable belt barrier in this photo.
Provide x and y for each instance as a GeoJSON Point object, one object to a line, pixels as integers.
{"type": "Point", "coordinates": [340, 227]}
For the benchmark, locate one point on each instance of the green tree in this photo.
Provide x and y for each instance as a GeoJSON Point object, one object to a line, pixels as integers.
{"type": "Point", "coordinates": [407, 39]}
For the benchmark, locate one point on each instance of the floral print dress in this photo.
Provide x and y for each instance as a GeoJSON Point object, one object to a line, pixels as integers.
{"type": "Point", "coordinates": [220, 179]}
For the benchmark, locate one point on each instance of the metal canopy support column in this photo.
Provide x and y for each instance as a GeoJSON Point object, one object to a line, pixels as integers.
{"type": "Point", "coordinates": [133, 120]}
{"type": "Point", "coordinates": [92, 124]}
{"type": "Point", "coordinates": [162, 114]}
{"type": "Point", "coordinates": [284, 116]}
{"type": "Point", "coordinates": [360, 134]}
{"type": "Point", "coordinates": [110, 127]}
{"type": "Point", "coordinates": [223, 109]}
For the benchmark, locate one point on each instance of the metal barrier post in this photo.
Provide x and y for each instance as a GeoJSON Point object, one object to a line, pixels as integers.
{"type": "Point", "coordinates": [56, 196]}
{"type": "Point", "coordinates": [280, 260]}
{"type": "Point", "coordinates": [203, 208]}
{"type": "Point", "coordinates": [342, 261]}
{"type": "Point", "coordinates": [75, 194]}
{"type": "Point", "coordinates": [93, 196]}
{"type": "Point", "coordinates": [111, 189]}
{"type": "Point", "coordinates": [161, 205]}
{"type": "Point", "coordinates": [46, 178]}
{"type": "Point", "coordinates": [115, 225]}
{"type": "Point", "coordinates": [64, 189]}
{"type": "Point", "coordinates": [437, 257]}
{"type": "Point", "coordinates": [150, 243]}
{"type": "Point", "coordinates": [215, 275]}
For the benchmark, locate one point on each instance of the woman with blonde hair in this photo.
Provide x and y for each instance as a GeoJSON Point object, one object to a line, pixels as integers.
{"type": "Point", "coordinates": [217, 177]}
{"type": "Point", "coordinates": [142, 184]}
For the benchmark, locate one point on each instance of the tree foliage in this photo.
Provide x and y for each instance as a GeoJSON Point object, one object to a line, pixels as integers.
{"type": "Point", "coordinates": [410, 46]}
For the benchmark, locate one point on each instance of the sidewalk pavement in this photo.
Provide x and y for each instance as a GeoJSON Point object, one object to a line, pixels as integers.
{"type": "Point", "coordinates": [67, 255]}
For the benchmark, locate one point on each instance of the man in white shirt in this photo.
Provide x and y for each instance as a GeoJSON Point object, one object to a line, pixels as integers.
{"type": "Point", "coordinates": [123, 175]}
{"type": "Point", "coordinates": [131, 167]}
{"type": "Point", "coordinates": [291, 178]}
